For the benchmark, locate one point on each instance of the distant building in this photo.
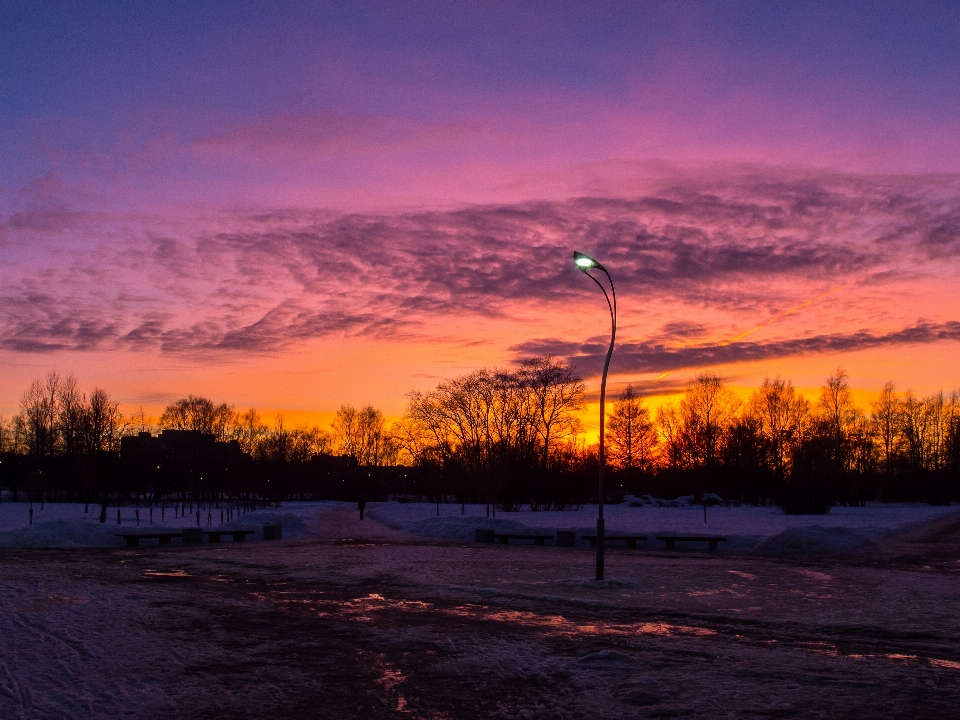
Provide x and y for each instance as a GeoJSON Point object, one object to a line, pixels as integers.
{"type": "Point", "coordinates": [179, 446]}
{"type": "Point", "coordinates": [178, 460]}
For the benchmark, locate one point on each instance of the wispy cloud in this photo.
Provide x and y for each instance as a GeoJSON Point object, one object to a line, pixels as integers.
{"type": "Point", "coordinates": [654, 356]}
{"type": "Point", "coordinates": [261, 281]}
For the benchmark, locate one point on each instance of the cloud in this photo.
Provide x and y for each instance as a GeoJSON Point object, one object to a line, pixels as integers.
{"type": "Point", "coordinates": [655, 356]}
{"type": "Point", "coordinates": [267, 279]}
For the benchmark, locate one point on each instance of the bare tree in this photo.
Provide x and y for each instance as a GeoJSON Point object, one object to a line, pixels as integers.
{"type": "Point", "coordinates": [706, 411]}
{"type": "Point", "coordinates": [556, 392]}
{"type": "Point", "coordinates": [198, 413]}
{"type": "Point", "coordinates": [249, 430]}
{"type": "Point", "coordinates": [361, 434]}
{"type": "Point", "coordinates": [104, 424]}
{"type": "Point", "coordinates": [782, 416]}
{"type": "Point", "coordinates": [6, 436]}
{"type": "Point", "coordinates": [491, 428]}
{"type": "Point", "coordinates": [631, 434]}
{"type": "Point", "coordinates": [839, 417]}
{"type": "Point", "coordinates": [72, 416]}
{"type": "Point", "coordinates": [305, 443]}
{"type": "Point", "coordinates": [915, 429]}
{"type": "Point", "coordinates": [40, 407]}
{"type": "Point", "coordinates": [888, 421]}
{"type": "Point", "coordinates": [674, 449]}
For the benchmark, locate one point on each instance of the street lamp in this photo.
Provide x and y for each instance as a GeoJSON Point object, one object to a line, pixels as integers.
{"type": "Point", "coordinates": [586, 263]}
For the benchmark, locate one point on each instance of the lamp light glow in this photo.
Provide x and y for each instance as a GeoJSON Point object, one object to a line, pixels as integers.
{"type": "Point", "coordinates": [584, 262]}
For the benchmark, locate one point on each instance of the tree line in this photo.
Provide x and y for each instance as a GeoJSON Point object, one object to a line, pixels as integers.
{"type": "Point", "coordinates": [780, 446]}
{"type": "Point", "coordinates": [56, 419]}
{"type": "Point", "coordinates": [514, 436]}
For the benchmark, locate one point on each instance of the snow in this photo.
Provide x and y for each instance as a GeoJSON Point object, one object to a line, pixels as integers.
{"type": "Point", "coordinates": [359, 620]}
{"type": "Point", "coordinates": [764, 530]}
{"type": "Point", "coordinates": [66, 525]}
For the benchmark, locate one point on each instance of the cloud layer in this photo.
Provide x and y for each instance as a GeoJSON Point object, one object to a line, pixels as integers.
{"type": "Point", "coordinates": [748, 245]}
{"type": "Point", "coordinates": [656, 357]}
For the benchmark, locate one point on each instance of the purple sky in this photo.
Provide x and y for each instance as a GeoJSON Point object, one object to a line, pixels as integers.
{"type": "Point", "coordinates": [387, 193]}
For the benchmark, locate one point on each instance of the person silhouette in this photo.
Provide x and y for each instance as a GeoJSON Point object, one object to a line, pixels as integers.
{"type": "Point", "coordinates": [361, 504]}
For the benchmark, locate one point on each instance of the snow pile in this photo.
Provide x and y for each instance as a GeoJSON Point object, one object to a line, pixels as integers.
{"type": "Point", "coordinates": [763, 529]}
{"type": "Point", "coordinates": [464, 528]}
{"type": "Point", "coordinates": [66, 525]}
{"type": "Point", "coordinates": [293, 524]}
{"type": "Point", "coordinates": [63, 533]}
{"type": "Point", "coordinates": [819, 540]}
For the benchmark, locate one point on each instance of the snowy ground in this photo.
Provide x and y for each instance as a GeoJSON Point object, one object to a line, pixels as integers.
{"type": "Point", "coordinates": [68, 525]}
{"type": "Point", "coordinates": [763, 529]}
{"type": "Point", "coordinates": [360, 620]}
{"type": "Point", "coordinates": [766, 529]}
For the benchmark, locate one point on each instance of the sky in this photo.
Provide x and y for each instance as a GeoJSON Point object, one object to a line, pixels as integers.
{"type": "Point", "coordinates": [297, 205]}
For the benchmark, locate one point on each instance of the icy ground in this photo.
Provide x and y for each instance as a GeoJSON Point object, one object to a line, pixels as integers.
{"type": "Point", "coordinates": [763, 529]}
{"type": "Point", "coordinates": [359, 620]}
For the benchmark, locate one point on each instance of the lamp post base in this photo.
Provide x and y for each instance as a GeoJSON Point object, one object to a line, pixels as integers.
{"type": "Point", "coordinates": [600, 544]}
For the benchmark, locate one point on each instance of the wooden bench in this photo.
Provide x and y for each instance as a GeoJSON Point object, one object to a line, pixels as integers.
{"type": "Point", "coordinates": [133, 539]}
{"type": "Point", "coordinates": [672, 540]}
{"type": "Point", "coordinates": [238, 535]}
{"type": "Point", "coordinates": [631, 539]}
{"type": "Point", "coordinates": [505, 537]}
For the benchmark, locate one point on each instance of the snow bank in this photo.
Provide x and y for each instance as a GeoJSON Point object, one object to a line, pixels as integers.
{"type": "Point", "coordinates": [763, 529]}
{"type": "Point", "coordinates": [293, 524]}
{"type": "Point", "coordinates": [64, 534]}
{"type": "Point", "coordinates": [66, 525]}
{"type": "Point", "coordinates": [818, 540]}
{"type": "Point", "coordinates": [463, 528]}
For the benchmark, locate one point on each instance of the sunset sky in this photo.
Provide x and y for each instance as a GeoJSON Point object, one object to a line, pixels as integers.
{"type": "Point", "coordinates": [295, 205]}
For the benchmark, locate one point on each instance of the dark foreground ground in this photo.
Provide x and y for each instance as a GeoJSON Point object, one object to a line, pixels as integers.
{"type": "Point", "coordinates": [365, 622]}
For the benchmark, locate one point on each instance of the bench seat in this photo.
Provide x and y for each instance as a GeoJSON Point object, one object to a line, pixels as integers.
{"type": "Point", "coordinates": [133, 539]}
{"type": "Point", "coordinates": [505, 537]}
{"type": "Point", "coordinates": [672, 540]}
{"type": "Point", "coordinates": [631, 539]}
{"type": "Point", "coordinates": [238, 535]}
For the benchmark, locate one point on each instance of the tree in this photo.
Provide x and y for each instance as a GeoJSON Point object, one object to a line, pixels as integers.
{"type": "Point", "coordinates": [72, 416]}
{"type": "Point", "coordinates": [838, 417]}
{"type": "Point", "coordinates": [361, 434]}
{"type": "Point", "coordinates": [496, 432]}
{"type": "Point", "coordinates": [39, 410]}
{"type": "Point", "coordinates": [781, 416]}
{"type": "Point", "coordinates": [6, 436]}
{"type": "Point", "coordinates": [631, 434]}
{"type": "Point", "coordinates": [198, 413]}
{"type": "Point", "coordinates": [249, 430]}
{"type": "Point", "coordinates": [556, 392]}
{"type": "Point", "coordinates": [887, 421]}
{"type": "Point", "coordinates": [706, 411]}
{"type": "Point", "coordinates": [104, 423]}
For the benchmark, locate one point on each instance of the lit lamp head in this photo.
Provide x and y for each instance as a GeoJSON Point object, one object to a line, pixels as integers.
{"type": "Point", "coordinates": [585, 262]}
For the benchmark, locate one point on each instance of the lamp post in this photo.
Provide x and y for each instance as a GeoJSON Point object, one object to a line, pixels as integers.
{"type": "Point", "coordinates": [587, 263]}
